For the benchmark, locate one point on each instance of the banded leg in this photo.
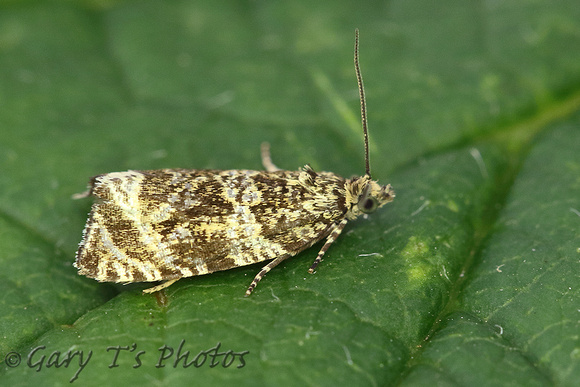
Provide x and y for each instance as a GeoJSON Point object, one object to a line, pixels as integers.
{"type": "Point", "coordinates": [263, 272]}
{"type": "Point", "coordinates": [337, 229]}
{"type": "Point", "coordinates": [82, 195]}
{"type": "Point", "coordinates": [266, 159]}
{"type": "Point", "coordinates": [160, 286]}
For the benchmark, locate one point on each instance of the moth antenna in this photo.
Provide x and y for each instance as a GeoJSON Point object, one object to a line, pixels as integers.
{"type": "Point", "coordinates": [363, 104]}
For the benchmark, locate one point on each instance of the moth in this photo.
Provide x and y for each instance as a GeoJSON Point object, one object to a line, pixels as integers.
{"type": "Point", "coordinates": [168, 224]}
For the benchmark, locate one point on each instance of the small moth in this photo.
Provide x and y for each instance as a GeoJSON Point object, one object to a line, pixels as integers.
{"type": "Point", "coordinates": [168, 224]}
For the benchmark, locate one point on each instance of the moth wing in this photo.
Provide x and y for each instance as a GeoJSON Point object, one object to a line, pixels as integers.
{"type": "Point", "coordinates": [168, 224]}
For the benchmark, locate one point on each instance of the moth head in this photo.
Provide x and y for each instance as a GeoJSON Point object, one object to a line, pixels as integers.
{"type": "Point", "coordinates": [365, 196]}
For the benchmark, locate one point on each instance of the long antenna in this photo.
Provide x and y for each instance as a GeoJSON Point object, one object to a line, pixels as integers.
{"type": "Point", "coordinates": [363, 104]}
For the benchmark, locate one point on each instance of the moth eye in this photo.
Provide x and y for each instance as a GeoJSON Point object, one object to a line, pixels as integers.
{"type": "Point", "coordinates": [368, 204]}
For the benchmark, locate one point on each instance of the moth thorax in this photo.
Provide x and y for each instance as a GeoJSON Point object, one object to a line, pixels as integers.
{"type": "Point", "coordinates": [307, 177]}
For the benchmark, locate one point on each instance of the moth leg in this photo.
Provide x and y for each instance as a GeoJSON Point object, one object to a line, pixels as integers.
{"type": "Point", "coordinates": [336, 230]}
{"type": "Point", "coordinates": [81, 195]}
{"type": "Point", "coordinates": [160, 286]}
{"type": "Point", "coordinates": [263, 272]}
{"type": "Point", "coordinates": [266, 159]}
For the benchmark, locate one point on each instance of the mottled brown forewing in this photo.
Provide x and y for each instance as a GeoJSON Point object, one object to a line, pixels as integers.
{"type": "Point", "coordinates": [174, 223]}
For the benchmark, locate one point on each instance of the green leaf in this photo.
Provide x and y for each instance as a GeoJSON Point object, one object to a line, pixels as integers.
{"type": "Point", "coordinates": [469, 277]}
